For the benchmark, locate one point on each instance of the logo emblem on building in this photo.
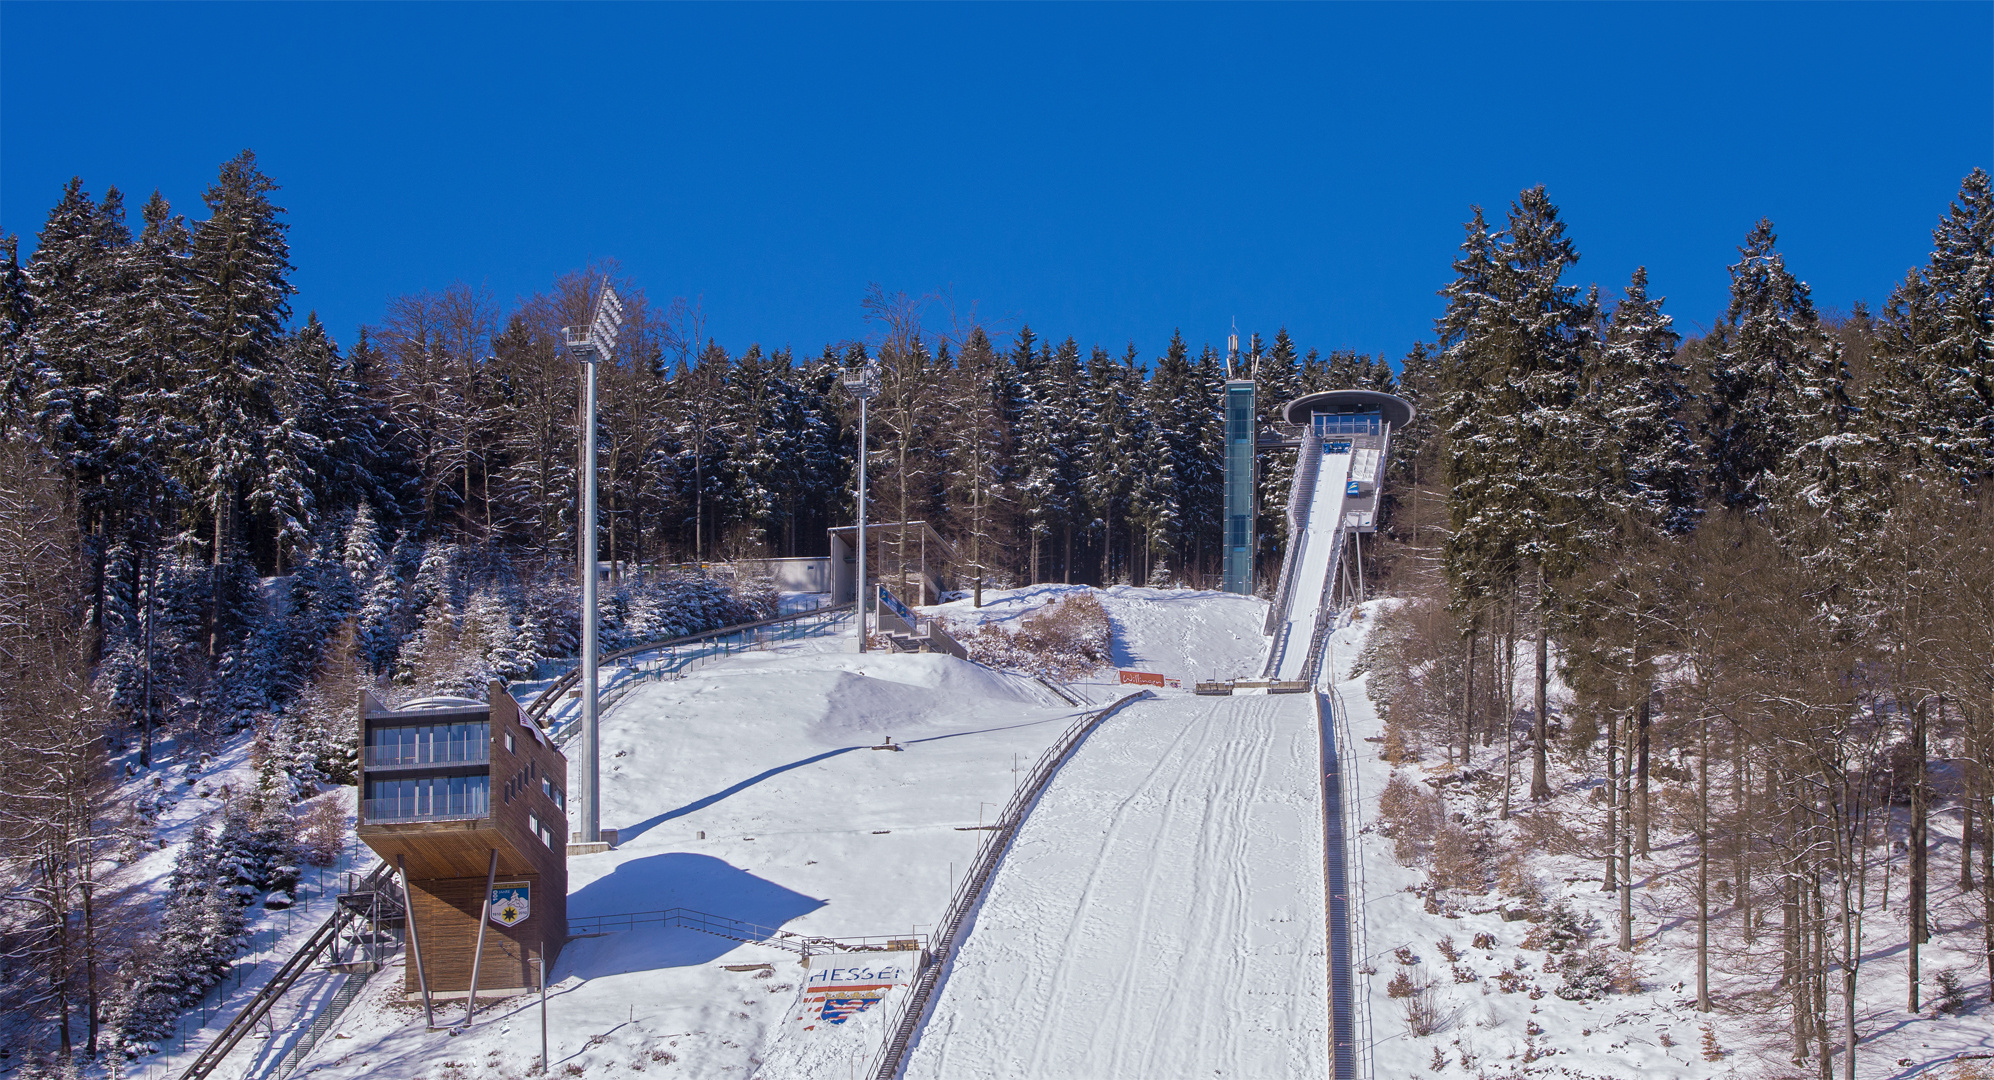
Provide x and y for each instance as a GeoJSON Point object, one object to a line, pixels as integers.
{"type": "Point", "coordinates": [512, 903]}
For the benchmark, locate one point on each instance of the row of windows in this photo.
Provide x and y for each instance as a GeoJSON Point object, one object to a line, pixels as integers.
{"type": "Point", "coordinates": [523, 779]}
{"type": "Point", "coordinates": [421, 744]}
{"type": "Point", "coordinates": [1347, 423]}
{"type": "Point", "coordinates": [420, 797]}
{"type": "Point", "coordinates": [541, 829]}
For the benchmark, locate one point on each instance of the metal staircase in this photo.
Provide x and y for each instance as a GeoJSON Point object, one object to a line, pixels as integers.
{"type": "Point", "coordinates": [378, 885]}
{"type": "Point", "coordinates": [1308, 464]}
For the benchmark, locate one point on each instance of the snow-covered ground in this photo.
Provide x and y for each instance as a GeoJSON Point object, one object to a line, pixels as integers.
{"type": "Point", "coordinates": [1160, 913]}
{"type": "Point", "coordinates": [806, 828]}
{"type": "Point", "coordinates": [1516, 1025]}
{"type": "Point", "coordinates": [1185, 634]}
{"type": "Point", "coordinates": [749, 789]}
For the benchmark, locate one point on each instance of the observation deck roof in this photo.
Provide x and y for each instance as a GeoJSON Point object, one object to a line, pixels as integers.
{"type": "Point", "coordinates": [1395, 410]}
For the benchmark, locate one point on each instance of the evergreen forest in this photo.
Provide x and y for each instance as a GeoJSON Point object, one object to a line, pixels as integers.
{"type": "Point", "coordinates": [1761, 558]}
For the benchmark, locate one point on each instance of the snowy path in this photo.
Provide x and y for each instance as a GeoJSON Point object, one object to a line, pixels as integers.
{"type": "Point", "coordinates": [1161, 912]}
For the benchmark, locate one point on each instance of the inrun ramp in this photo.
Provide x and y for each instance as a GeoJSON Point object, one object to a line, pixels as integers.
{"type": "Point", "coordinates": [1317, 549]}
{"type": "Point", "coordinates": [1160, 913]}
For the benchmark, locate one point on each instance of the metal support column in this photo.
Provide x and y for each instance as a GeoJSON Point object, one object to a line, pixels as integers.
{"type": "Point", "coordinates": [478, 953]}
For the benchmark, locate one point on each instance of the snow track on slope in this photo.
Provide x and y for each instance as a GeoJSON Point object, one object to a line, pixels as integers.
{"type": "Point", "coordinates": [1318, 555]}
{"type": "Point", "coordinates": [1160, 912]}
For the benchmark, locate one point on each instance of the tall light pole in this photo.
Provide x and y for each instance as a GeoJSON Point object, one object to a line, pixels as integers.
{"type": "Point", "coordinates": [864, 385]}
{"type": "Point", "coordinates": [590, 346]}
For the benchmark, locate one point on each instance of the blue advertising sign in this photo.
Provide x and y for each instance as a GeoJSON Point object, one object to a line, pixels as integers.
{"type": "Point", "coordinates": [887, 601]}
{"type": "Point", "coordinates": [1351, 488]}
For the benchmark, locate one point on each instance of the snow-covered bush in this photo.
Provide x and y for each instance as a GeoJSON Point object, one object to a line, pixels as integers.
{"type": "Point", "coordinates": [1458, 858]}
{"type": "Point", "coordinates": [322, 828]}
{"type": "Point", "coordinates": [1560, 931]}
{"type": "Point", "coordinates": [1411, 815]}
{"type": "Point", "coordinates": [1589, 974]}
{"type": "Point", "coordinates": [1064, 640]}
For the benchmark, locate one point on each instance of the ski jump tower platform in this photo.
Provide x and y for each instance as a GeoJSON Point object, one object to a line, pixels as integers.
{"type": "Point", "coordinates": [1344, 443]}
{"type": "Point", "coordinates": [467, 801]}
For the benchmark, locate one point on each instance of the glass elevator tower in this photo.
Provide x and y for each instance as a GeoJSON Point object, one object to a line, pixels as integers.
{"type": "Point", "coordinates": [1239, 469]}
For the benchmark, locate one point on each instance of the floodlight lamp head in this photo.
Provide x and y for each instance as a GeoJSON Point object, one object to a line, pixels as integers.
{"type": "Point", "coordinates": [608, 322]}
{"type": "Point", "coordinates": [863, 383]}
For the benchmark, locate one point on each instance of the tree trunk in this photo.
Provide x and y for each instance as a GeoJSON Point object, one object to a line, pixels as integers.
{"type": "Point", "coordinates": [1819, 977]}
{"type": "Point", "coordinates": [1917, 861]}
{"type": "Point", "coordinates": [1645, 721]}
{"type": "Point", "coordinates": [1703, 862]}
{"type": "Point", "coordinates": [215, 587]}
{"type": "Point", "coordinates": [1987, 876]}
{"type": "Point", "coordinates": [1540, 784]}
{"type": "Point", "coordinates": [1792, 945]}
{"type": "Point", "coordinates": [1742, 832]}
{"type": "Point", "coordinates": [90, 1002]}
{"type": "Point", "coordinates": [1626, 850]}
{"type": "Point", "coordinates": [1971, 777]}
{"type": "Point", "coordinates": [1608, 882]}
{"type": "Point", "coordinates": [1468, 697]}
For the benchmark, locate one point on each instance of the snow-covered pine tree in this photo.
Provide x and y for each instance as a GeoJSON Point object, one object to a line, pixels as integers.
{"type": "Point", "coordinates": [1515, 336]}
{"type": "Point", "coordinates": [241, 265]}
{"type": "Point", "coordinates": [1051, 448]}
{"type": "Point", "coordinates": [979, 442]}
{"type": "Point", "coordinates": [330, 407]}
{"type": "Point", "coordinates": [1112, 441]}
{"type": "Point", "coordinates": [1962, 279]}
{"type": "Point", "coordinates": [17, 391]}
{"type": "Point", "coordinates": [1279, 376]}
{"type": "Point", "coordinates": [1636, 397]}
{"type": "Point", "coordinates": [1933, 392]}
{"type": "Point", "coordinates": [1176, 401]}
{"type": "Point", "coordinates": [77, 285]}
{"type": "Point", "coordinates": [1770, 334]}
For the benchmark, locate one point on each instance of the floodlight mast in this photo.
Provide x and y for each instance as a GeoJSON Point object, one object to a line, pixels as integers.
{"type": "Point", "coordinates": [596, 343]}
{"type": "Point", "coordinates": [863, 385]}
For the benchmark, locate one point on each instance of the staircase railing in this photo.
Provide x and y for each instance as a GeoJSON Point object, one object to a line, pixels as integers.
{"type": "Point", "coordinates": [349, 988]}
{"type": "Point", "coordinates": [905, 1023]}
{"type": "Point", "coordinates": [1308, 463]}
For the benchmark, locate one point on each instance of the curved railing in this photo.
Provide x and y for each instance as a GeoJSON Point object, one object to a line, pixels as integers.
{"type": "Point", "coordinates": [545, 701]}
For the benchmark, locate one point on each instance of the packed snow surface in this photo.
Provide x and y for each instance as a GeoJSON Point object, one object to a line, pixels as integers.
{"type": "Point", "coordinates": [1318, 557]}
{"type": "Point", "coordinates": [749, 788]}
{"type": "Point", "coordinates": [1160, 914]}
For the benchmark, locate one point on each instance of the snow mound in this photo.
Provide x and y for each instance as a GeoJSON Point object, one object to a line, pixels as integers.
{"type": "Point", "coordinates": [1189, 634]}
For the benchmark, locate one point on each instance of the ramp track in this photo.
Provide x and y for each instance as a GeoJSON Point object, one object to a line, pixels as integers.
{"type": "Point", "coordinates": [1159, 913]}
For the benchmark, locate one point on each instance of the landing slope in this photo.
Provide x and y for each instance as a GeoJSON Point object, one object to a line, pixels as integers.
{"type": "Point", "coordinates": [1160, 913]}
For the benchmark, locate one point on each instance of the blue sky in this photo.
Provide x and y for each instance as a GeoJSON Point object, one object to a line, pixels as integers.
{"type": "Point", "coordinates": [1107, 172]}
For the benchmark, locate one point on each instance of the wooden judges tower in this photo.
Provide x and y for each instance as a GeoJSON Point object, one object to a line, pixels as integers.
{"type": "Point", "coordinates": [467, 801]}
